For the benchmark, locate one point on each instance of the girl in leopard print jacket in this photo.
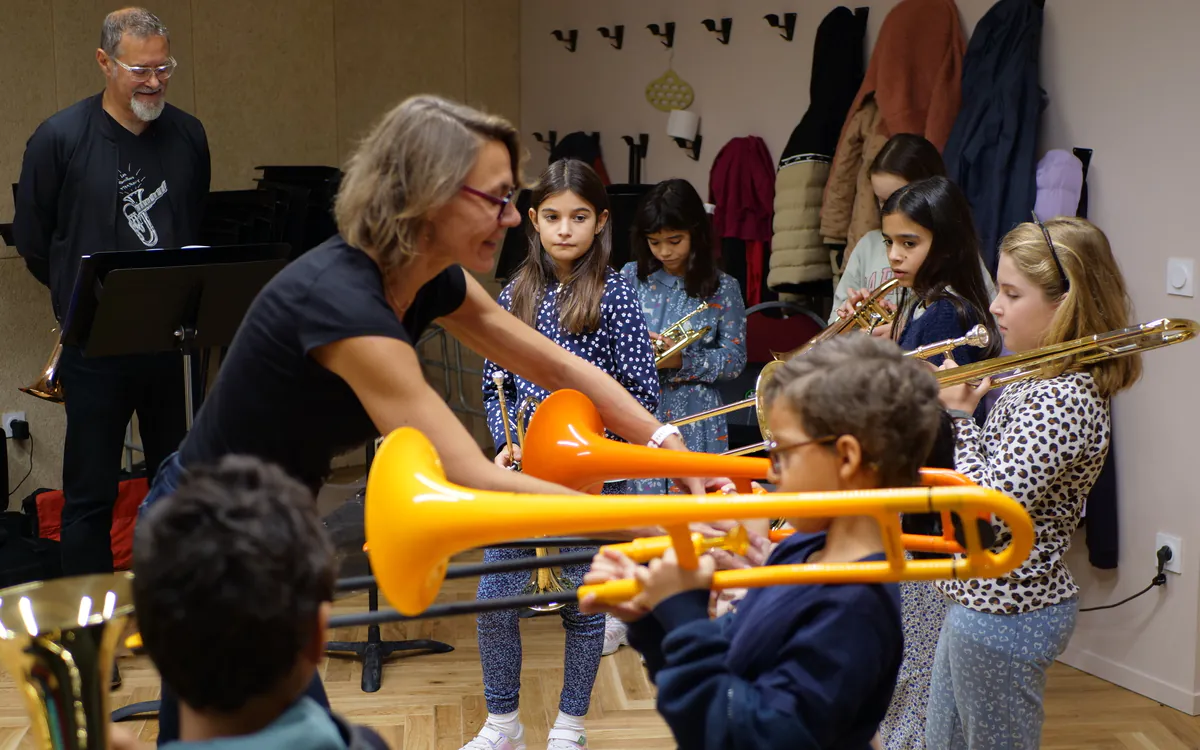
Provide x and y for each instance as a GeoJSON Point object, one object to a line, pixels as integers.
{"type": "Point", "coordinates": [1043, 444]}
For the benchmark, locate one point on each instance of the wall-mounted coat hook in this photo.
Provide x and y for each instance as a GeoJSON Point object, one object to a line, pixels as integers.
{"type": "Point", "coordinates": [569, 39]}
{"type": "Point", "coordinates": [723, 32]}
{"type": "Point", "coordinates": [615, 35]}
{"type": "Point", "coordinates": [668, 34]}
{"type": "Point", "coordinates": [788, 25]}
{"type": "Point", "coordinates": [549, 142]}
{"type": "Point", "coordinates": [637, 152]}
{"type": "Point", "coordinates": [692, 146]}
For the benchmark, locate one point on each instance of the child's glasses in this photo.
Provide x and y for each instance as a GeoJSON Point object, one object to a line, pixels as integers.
{"type": "Point", "coordinates": [1062, 273]}
{"type": "Point", "coordinates": [501, 202]}
{"type": "Point", "coordinates": [775, 451]}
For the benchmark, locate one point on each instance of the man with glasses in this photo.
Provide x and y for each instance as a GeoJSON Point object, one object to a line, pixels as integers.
{"type": "Point", "coordinates": [120, 170]}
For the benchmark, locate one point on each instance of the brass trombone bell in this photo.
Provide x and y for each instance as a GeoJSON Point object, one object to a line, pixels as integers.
{"type": "Point", "coordinates": [47, 386]}
{"type": "Point", "coordinates": [58, 640]}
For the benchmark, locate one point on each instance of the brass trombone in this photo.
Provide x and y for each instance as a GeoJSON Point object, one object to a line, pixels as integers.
{"type": "Point", "coordinates": [1073, 355]}
{"type": "Point", "coordinates": [542, 580]}
{"type": "Point", "coordinates": [681, 335]}
{"type": "Point", "coordinates": [47, 386]}
{"type": "Point", "coordinates": [977, 337]}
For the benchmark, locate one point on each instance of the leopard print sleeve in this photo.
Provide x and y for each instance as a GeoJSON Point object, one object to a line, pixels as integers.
{"type": "Point", "coordinates": [1043, 444]}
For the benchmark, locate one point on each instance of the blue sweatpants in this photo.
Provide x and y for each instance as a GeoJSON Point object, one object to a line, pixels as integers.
{"type": "Point", "coordinates": [989, 677]}
{"type": "Point", "coordinates": [500, 639]}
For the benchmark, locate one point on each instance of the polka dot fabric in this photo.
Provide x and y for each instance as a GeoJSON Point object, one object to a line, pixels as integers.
{"type": "Point", "coordinates": [620, 347]}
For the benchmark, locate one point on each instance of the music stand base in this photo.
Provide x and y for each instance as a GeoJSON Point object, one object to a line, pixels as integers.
{"type": "Point", "coordinates": [374, 650]}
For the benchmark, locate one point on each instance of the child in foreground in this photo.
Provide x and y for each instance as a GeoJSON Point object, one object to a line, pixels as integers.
{"type": "Point", "coordinates": [795, 666]}
{"type": "Point", "coordinates": [233, 583]}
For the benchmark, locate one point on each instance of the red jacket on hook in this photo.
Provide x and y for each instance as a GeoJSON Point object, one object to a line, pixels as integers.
{"type": "Point", "coordinates": [742, 186]}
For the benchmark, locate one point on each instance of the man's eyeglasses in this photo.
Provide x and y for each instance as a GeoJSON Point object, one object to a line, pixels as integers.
{"type": "Point", "coordinates": [142, 74]}
{"type": "Point", "coordinates": [1062, 272]}
{"type": "Point", "coordinates": [501, 202]}
{"type": "Point", "coordinates": [775, 451]}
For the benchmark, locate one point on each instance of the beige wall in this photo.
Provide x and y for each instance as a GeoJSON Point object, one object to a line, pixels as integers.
{"type": "Point", "coordinates": [274, 81]}
{"type": "Point", "coordinates": [1120, 78]}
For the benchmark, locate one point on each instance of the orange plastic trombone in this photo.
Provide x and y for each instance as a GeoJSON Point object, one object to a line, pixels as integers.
{"type": "Point", "coordinates": [565, 444]}
{"type": "Point", "coordinates": [416, 520]}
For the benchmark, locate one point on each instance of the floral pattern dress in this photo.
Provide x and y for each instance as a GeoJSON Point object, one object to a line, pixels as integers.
{"type": "Point", "coordinates": [720, 355]}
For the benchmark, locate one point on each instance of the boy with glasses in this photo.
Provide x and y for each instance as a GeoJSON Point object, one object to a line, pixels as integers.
{"type": "Point", "coordinates": [795, 666]}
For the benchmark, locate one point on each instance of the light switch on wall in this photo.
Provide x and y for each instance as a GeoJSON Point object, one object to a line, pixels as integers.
{"type": "Point", "coordinates": [1180, 272]}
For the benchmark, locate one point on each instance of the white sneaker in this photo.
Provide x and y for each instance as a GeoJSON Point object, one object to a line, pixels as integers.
{"type": "Point", "coordinates": [616, 634]}
{"type": "Point", "coordinates": [566, 739]}
{"type": "Point", "coordinates": [490, 739]}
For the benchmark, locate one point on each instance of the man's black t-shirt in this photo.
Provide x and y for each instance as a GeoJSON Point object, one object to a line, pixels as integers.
{"type": "Point", "coordinates": [271, 399]}
{"type": "Point", "coordinates": [143, 201]}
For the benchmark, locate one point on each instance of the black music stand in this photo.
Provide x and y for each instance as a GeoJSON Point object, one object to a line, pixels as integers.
{"type": "Point", "coordinates": [180, 299]}
{"type": "Point", "coordinates": [374, 650]}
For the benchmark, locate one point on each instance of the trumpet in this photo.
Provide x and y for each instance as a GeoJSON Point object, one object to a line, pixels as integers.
{"type": "Point", "coordinates": [543, 580]}
{"type": "Point", "coordinates": [58, 640]}
{"type": "Point", "coordinates": [682, 336]}
{"type": "Point", "coordinates": [1073, 355]}
{"type": "Point", "coordinates": [47, 386]}
{"type": "Point", "coordinates": [416, 520]}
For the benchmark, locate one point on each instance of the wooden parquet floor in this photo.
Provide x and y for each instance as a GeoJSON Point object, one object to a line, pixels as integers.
{"type": "Point", "coordinates": [435, 702]}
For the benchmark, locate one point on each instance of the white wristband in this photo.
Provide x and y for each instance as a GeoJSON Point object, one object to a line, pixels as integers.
{"type": "Point", "coordinates": [661, 434]}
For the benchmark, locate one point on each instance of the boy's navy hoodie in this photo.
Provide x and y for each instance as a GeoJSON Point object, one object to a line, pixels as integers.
{"type": "Point", "coordinates": [794, 667]}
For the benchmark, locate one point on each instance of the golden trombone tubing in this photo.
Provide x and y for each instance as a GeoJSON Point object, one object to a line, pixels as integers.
{"type": "Point", "coordinates": [416, 520]}
{"type": "Point", "coordinates": [977, 337]}
{"type": "Point", "coordinates": [1085, 351]}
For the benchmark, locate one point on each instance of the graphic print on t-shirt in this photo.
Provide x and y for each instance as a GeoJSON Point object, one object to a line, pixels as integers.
{"type": "Point", "coordinates": [136, 204]}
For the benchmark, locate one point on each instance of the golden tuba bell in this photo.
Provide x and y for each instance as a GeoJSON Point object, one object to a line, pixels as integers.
{"type": "Point", "coordinates": [681, 335]}
{"type": "Point", "coordinates": [542, 580]}
{"type": "Point", "coordinates": [47, 386]}
{"type": "Point", "coordinates": [58, 640]}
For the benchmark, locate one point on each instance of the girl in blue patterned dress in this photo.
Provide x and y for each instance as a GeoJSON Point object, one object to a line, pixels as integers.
{"type": "Point", "coordinates": [674, 272]}
{"type": "Point", "coordinates": [567, 291]}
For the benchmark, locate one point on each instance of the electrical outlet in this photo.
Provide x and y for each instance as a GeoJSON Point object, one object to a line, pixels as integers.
{"type": "Point", "coordinates": [7, 420]}
{"type": "Point", "coordinates": [1175, 564]}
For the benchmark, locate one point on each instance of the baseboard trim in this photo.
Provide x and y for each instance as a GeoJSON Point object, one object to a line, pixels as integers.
{"type": "Point", "coordinates": [1132, 679]}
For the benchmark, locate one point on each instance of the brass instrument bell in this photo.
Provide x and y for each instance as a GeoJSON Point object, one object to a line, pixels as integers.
{"type": "Point", "coordinates": [58, 640]}
{"type": "Point", "coordinates": [47, 386]}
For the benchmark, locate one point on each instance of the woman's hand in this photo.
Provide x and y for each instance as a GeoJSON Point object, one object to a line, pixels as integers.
{"type": "Point", "coordinates": [611, 565]}
{"type": "Point", "coordinates": [664, 578]}
{"type": "Point", "coordinates": [673, 362]}
{"type": "Point", "coordinates": [502, 458]}
{"type": "Point", "coordinates": [963, 397]}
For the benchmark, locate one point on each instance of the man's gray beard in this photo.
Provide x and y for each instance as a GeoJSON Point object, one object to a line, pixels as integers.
{"type": "Point", "coordinates": [146, 112]}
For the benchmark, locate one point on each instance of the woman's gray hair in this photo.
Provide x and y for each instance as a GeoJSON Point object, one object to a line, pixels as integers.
{"type": "Point", "coordinates": [414, 161]}
{"type": "Point", "coordinates": [137, 22]}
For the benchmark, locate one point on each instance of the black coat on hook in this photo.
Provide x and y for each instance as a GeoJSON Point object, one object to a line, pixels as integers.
{"type": "Point", "coordinates": [668, 34]}
{"type": "Point", "coordinates": [723, 32]}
